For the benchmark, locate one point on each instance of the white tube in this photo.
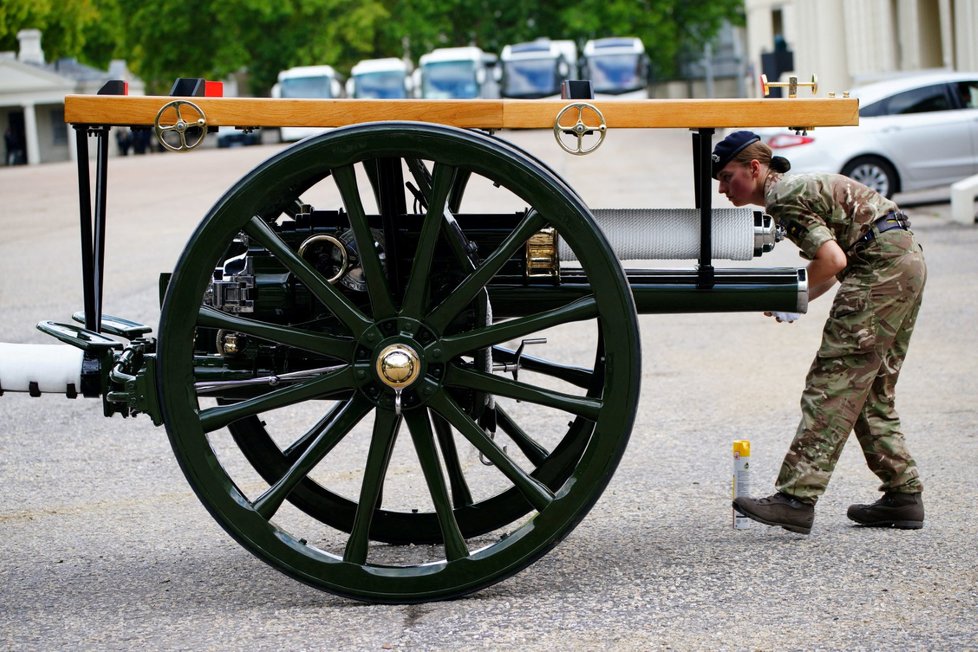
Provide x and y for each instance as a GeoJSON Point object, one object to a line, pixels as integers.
{"type": "Point", "coordinates": [52, 366]}
{"type": "Point", "coordinates": [668, 233]}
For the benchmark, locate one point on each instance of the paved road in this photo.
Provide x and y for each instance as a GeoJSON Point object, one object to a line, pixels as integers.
{"type": "Point", "coordinates": [104, 546]}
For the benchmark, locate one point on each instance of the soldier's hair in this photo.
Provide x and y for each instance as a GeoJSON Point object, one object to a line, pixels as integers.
{"type": "Point", "coordinates": [760, 151]}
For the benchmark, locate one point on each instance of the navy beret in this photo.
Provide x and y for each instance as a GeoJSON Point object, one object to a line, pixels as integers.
{"type": "Point", "coordinates": [729, 147]}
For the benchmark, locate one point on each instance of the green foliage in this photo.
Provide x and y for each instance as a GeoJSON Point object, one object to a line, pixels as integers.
{"type": "Point", "coordinates": [164, 40]}
{"type": "Point", "coordinates": [64, 23]}
{"type": "Point", "coordinates": [218, 37]}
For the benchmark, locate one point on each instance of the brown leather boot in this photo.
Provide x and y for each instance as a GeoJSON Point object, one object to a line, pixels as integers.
{"type": "Point", "coordinates": [903, 511]}
{"type": "Point", "coordinates": [779, 509]}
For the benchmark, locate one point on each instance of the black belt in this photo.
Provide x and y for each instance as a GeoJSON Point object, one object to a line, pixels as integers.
{"type": "Point", "coordinates": [890, 221]}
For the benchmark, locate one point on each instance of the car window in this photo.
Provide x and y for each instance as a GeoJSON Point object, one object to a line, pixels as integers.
{"type": "Point", "coordinates": [968, 92]}
{"type": "Point", "coordinates": [918, 100]}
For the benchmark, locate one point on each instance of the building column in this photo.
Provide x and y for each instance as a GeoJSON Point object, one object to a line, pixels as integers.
{"type": "Point", "coordinates": [32, 143]}
{"type": "Point", "coordinates": [72, 144]}
{"type": "Point", "coordinates": [947, 34]}
{"type": "Point", "coordinates": [823, 47]}
{"type": "Point", "coordinates": [965, 32]}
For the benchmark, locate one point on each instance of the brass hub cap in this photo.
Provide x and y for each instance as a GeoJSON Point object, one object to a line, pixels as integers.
{"type": "Point", "coordinates": [398, 365]}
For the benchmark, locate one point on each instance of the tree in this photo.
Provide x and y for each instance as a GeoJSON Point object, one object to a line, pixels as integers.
{"type": "Point", "coordinates": [667, 27]}
{"type": "Point", "coordinates": [64, 24]}
{"type": "Point", "coordinates": [213, 38]}
{"type": "Point", "coordinates": [218, 37]}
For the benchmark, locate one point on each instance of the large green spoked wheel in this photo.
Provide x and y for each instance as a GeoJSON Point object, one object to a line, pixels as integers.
{"type": "Point", "coordinates": [407, 357]}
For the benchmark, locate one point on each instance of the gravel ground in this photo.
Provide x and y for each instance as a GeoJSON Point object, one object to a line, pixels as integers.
{"type": "Point", "coordinates": [104, 546]}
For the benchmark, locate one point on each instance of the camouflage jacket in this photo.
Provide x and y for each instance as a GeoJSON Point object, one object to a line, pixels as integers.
{"type": "Point", "coordinates": [815, 208]}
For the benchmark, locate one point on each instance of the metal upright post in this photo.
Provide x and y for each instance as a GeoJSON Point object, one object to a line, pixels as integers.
{"type": "Point", "coordinates": [101, 191]}
{"type": "Point", "coordinates": [703, 186]}
{"type": "Point", "coordinates": [85, 214]}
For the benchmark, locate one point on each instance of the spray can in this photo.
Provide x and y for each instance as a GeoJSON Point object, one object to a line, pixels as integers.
{"type": "Point", "coordinates": [741, 479]}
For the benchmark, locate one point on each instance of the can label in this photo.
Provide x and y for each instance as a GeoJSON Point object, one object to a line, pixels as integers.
{"type": "Point", "coordinates": [740, 485]}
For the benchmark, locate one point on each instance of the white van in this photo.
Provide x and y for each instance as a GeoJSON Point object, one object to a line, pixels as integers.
{"type": "Point", "coordinates": [617, 67]}
{"type": "Point", "coordinates": [536, 69]}
{"type": "Point", "coordinates": [320, 82]}
{"type": "Point", "coordinates": [380, 79]}
{"type": "Point", "coordinates": [456, 73]}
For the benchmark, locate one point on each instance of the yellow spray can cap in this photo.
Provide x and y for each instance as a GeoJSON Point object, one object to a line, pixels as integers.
{"type": "Point", "coordinates": [741, 447]}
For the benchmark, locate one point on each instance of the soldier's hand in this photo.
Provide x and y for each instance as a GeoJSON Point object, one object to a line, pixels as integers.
{"type": "Point", "coordinates": [781, 317]}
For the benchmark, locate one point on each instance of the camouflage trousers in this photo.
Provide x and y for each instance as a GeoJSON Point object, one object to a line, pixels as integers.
{"type": "Point", "coordinates": [851, 383]}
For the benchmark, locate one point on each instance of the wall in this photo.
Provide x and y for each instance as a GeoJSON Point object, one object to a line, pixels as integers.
{"type": "Point", "coordinates": [847, 42]}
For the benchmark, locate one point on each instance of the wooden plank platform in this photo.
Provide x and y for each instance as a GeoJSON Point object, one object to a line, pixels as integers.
{"type": "Point", "coordinates": [484, 114]}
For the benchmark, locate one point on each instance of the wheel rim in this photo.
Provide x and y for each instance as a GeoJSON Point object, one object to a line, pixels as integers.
{"type": "Point", "coordinates": [257, 514]}
{"type": "Point", "coordinates": [873, 176]}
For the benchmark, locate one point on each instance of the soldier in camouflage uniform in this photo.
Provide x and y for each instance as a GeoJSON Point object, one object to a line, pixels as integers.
{"type": "Point", "coordinates": [852, 234]}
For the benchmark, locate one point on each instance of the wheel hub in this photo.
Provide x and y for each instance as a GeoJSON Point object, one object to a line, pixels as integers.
{"type": "Point", "coordinates": [391, 364]}
{"type": "Point", "coordinates": [398, 365]}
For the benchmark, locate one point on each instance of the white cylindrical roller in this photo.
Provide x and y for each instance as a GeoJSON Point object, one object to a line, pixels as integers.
{"type": "Point", "coordinates": [669, 233]}
{"type": "Point", "coordinates": [53, 367]}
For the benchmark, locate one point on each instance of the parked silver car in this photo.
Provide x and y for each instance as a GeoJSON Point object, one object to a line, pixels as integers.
{"type": "Point", "coordinates": [914, 132]}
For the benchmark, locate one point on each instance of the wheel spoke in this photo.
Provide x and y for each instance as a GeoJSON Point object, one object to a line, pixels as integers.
{"type": "Point", "coordinates": [300, 445]}
{"type": "Point", "coordinates": [270, 501]}
{"type": "Point", "coordinates": [461, 495]}
{"type": "Point", "coordinates": [467, 290]}
{"type": "Point", "coordinates": [456, 239]}
{"type": "Point", "coordinates": [454, 345]}
{"type": "Point", "coordinates": [534, 452]}
{"type": "Point", "coordinates": [373, 271]}
{"type": "Point", "coordinates": [532, 489]}
{"type": "Point", "coordinates": [328, 295]}
{"type": "Point", "coordinates": [414, 295]}
{"type": "Point", "coordinates": [386, 424]}
{"type": "Point", "coordinates": [458, 191]}
{"type": "Point", "coordinates": [424, 444]}
{"type": "Point", "coordinates": [334, 347]}
{"type": "Point", "coordinates": [217, 417]}
{"type": "Point", "coordinates": [586, 407]}
{"type": "Point", "coordinates": [577, 376]}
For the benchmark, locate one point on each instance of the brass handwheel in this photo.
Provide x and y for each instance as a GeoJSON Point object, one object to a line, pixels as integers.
{"type": "Point", "coordinates": [581, 128]}
{"type": "Point", "coordinates": [189, 133]}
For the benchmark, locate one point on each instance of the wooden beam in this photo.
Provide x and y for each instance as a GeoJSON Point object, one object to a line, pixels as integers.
{"type": "Point", "coordinates": [721, 113]}
{"type": "Point", "coordinates": [485, 114]}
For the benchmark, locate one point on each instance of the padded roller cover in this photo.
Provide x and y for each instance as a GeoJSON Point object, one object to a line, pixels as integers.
{"type": "Point", "coordinates": [673, 234]}
{"type": "Point", "coordinates": [52, 366]}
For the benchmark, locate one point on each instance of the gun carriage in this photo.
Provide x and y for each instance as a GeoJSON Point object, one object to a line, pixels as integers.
{"type": "Point", "coordinates": [343, 301]}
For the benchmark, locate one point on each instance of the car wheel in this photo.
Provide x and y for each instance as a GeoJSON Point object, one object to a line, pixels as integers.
{"type": "Point", "coordinates": [874, 172]}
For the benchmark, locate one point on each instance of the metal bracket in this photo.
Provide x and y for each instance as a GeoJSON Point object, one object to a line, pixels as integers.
{"type": "Point", "coordinates": [79, 337]}
{"type": "Point", "coordinates": [116, 326]}
{"type": "Point", "coordinates": [541, 256]}
{"type": "Point", "coordinates": [792, 85]}
{"type": "Point", "coordinates": [133, 380]}
{"type": "Point", "coordinates": [514, 366]}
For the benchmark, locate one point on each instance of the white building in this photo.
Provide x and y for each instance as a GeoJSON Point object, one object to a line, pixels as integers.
{"type": "Point", "coordinates": [848, 42]}
{"type": "Point", "coordinates": [32, 95]}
